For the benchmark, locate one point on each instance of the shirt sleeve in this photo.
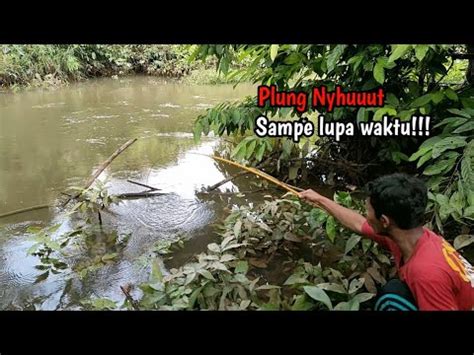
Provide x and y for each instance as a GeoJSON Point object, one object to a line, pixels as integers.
{"type": "Point", "coordinates": [433, 292]}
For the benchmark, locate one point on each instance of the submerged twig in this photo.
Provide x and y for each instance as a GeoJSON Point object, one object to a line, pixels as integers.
{"type": "Point", "coordinates": [148, 193]}
{"type": "Point", "coordinates": [129, 298]}
{"type": "Point", "coordinates": [28, 209]}
{"type": "Point", "coordinates": [230, 178]}
{"type": "Point", "coordinates": [142, 184]}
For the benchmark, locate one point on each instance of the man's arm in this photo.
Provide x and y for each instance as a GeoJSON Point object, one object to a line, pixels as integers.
{"type": "Point", "coordinates": [347, 217]}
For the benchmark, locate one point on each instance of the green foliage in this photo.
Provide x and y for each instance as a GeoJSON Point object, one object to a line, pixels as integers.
{"type": "Point", "coordinates": [99, 304]}
{"type": "Point", "coordinates": [418, 79]}
{"type": "Point", "coordinates": [54, 248]}
{"type": "Point", "coordinates": [448, 159]}
{"type": "Point", "coordinates": [92, 200]}
{"type": "Point", "coordinates": [52, 65]}
{"type": "Point", "coordinates": [228, 276]}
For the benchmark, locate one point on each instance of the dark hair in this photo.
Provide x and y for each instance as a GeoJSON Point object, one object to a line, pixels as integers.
{"type": "Point", "coordinates": [400, 197]}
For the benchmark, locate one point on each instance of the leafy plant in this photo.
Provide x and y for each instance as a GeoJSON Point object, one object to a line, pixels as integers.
{"type": "Point", "coordinates": [231, 274]}
{"type": "Point", "coordinates": [418, 79]}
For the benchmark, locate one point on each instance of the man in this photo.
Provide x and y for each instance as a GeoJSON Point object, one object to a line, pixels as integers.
{"type": "Point", "coordinates": [437, 277]}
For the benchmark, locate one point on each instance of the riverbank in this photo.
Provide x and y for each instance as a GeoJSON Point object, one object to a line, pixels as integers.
{"type": "Point", "coordinates": [52, 66]}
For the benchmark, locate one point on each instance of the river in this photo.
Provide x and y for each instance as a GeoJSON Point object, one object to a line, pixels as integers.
{"type": "Point", "coordinates": [51, 140]}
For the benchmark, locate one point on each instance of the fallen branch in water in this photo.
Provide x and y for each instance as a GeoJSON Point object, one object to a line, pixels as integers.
{"type": "Point", "coordinates": [102, 167]}
{"type": "Point", "coordinates": [139, 194]}
{"type": "Point", "coordinates": [230, 178]}
{"type": "Point", "coordinates": [143, 185]}
{"type": "Point", "coordinates": [28, 209]}
{"type": "Point", "coordinates": [126, 292]}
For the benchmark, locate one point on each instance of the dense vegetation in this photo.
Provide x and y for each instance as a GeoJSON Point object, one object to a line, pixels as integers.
{"type": "Point", "coordinates": [53, 65]}
{"type": "Point", "coordinates": [418, 79]}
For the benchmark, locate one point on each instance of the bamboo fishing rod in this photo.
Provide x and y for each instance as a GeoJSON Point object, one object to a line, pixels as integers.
{"type": "Point", "coordinates": [257, 172]}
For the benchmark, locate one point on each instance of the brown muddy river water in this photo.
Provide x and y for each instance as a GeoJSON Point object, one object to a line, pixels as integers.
{"type": "Point", "coordinates": [51, 140]}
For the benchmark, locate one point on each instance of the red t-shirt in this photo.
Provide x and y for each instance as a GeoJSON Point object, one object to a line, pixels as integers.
{"type": "Point", "coordinates": [437, 275]}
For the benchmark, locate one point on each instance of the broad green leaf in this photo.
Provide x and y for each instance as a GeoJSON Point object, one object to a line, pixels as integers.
{"type": "Point", "coordinates": [390, 111]}
{"type": "Point", "coordinates": [250, 149]}
{"type": "Point", "coordinates": [379, 71]}
{"type": "Point", "coordinates": [469, 126]}
{"type": "Point", "coordinates": [398, 51]}
{"type": "Point", "coordinates": [425, 147]}
{"type": "Point", "coordinates": [293, 58]}
{"type": "Point", "coordinates": [226, 258]}
{"type": "Point", "coordinates": [451, 94]}
{"type": "Point", "coordinates": [219, 266]}
{"type": "Point", "coordinates": [214, 248]}
{"type": "Point", "coordinates": [356, 284]}
{"type": "Point", "coordinates": [351, 243]}
{"type": "Point", "coordinates": [237, 228]}
{"type": "Point", "coordinates": [420, 51]}
{"type": "Point", "coordinates": [441, 166]}
{"type": "Point", "coordinates": [319, 295]}
{"type": "Point", "coordinates": [193, 297]}
{"type": "Point", "coordinates": [295, 279]}
{"type": "Point", "coordinates": [342, 306]}
{"type": "Point", "coordinates": [447, 144]}
{"type": "Point", "coordinates": [437, 97]}
{"type": "Point", "coordinates": [293, 173]}
{"type": "Point", "coordinates": [421, 101]}
{"type": "Point", "coordinates": [456, 202]}
{"type": "Point", "coordinates": [469, 212]}
{"type": "Point", "coordinates": [103, 303]}
{"type": "Point", "coordinates": [463, 240]}
{"type": "Point", "coordinates": [353, 305]}
{"type": "Point", "coordinates": [383, 259]}
{"type": "Point", "coordinates": [331, 228]}
{"type": "Point", "coordinates": [451, 121]}
{"type": "Point", "coordinates": [392, 100]}
{"type": "Point", "coordinates": [241, 267]}
{"type": "Point", "coordinates": [459, 112]}
{"type": "Point", "coordinates": [206, 274]}
{"type": "Point", "coordinates": [424, 159]}
{"type": "Point", "coordinates": [273, 51]}
{"type": "Point", "coordinates": [301, 304]}
{"type": "Point", "coordinates": [334, 287]}
{"type": "Point", "coordinates": [260, 152]}
{"type": "Point", "coordinates": [156, 274]}
{"type": "Point", "coordinates": [334, 56]}
{"type": "Point", "coordinates": [244, 304]}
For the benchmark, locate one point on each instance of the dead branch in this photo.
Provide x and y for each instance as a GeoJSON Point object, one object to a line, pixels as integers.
{"type": "Point", "coordinates": [28, 209]}
{"type": "Point", "coordinates": [102, 167]}
{"type": "Point", "coordinates": [142, 184]}
{"type": "Point", "coordinates": [230, 178]}
{"type": "Point", "coordinates": [131, 195]}
{"type": "Point", "coordinates": [129, 297]}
